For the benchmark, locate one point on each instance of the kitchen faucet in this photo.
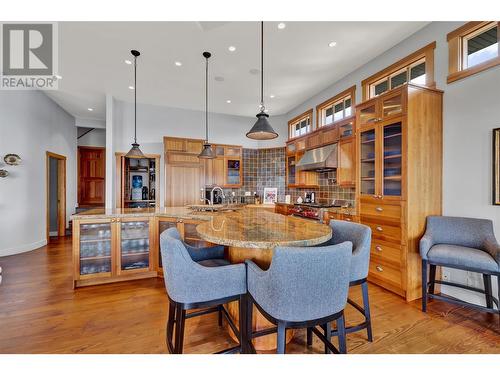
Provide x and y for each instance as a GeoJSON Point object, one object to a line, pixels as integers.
{"type": "Point", "coordinates": [212, 193]}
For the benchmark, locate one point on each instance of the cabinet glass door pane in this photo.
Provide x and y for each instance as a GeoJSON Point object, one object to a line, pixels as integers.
{"type": "Point", "coordinates": [291, 170]}
{"type": "Point", "coordinates": [368, 115]}
{"type": "Point", "coordinates": [95, 248]}
{"type": "Point", "coordinates": [345, 130]}
{"type": "Point", "coordinates": [233, 172]}
{"type": "Point", "coordinates": [368, 162]}
{"type": "Point", "coordinates": [162, 227]}
{"type": "Point", "coordinates": [392, 106]}
{"type": "Point", "coordinates": [191, 236]}
{"type": "Point", "coordinates": [392, 159]}
{"type": "Point", "coordinates": [134, 245]}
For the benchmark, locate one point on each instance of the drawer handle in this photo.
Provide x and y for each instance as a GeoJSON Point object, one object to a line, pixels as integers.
{"type": "Point", "coordinates": [379, 269]}
{"type": "Point", "coordinates": [348, 219]}
{"type": "Point", "coordinates": [379, 229]}
{"type": "Point", "coordinates": [378, 248]}
{"type": "Point", "coordinates": [375, 196]}
{"type": "Point", "coordinates": [379, 209]}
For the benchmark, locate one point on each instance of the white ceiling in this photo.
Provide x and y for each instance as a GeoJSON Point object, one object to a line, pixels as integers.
{"type": "Point", "coordinates": [298, 62]}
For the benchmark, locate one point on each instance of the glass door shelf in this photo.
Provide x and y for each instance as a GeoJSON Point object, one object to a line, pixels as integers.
{"type": "Point", "coordinates": [134, 245]}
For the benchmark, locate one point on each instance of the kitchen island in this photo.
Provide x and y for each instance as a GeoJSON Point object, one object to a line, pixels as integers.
{"type": "Point", "coordinates": [123, 244]}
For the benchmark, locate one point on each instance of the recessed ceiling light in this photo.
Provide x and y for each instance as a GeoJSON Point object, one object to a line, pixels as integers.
{"type": "Point", "coordinates": [131, 87]}
{"type": "Point", "coordinates": [272, 96]}
{"type": "Point", "coordinates": [58, 76]}
{"type": "Point", "coordinates": [228, 101]}
{"type": "Point", "coordinates": [178, 63]}
{"type": "Point", "coordinates": [90, 109]}
{"type": "Point", "coordinates": [332, 44]}
{"type": "Point", "coordinates": [231, 48]}
{"type": "Point", "coordinates": [281, 25]}
{"type": "Point", "coordinates": [128, 62]}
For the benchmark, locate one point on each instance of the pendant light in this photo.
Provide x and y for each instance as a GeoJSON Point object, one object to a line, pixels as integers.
{"type": "Point", "coordinates": [207, 152]}
{"type": "Point", "coordinates": [135, 152]}
{"type": "Point", "coordinates": [262, 129]}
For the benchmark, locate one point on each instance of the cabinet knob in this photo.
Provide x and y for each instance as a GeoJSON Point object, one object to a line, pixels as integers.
{"type": "Point", "coordinates": [379, 229]}
{"type": "Point", "coordinates": [348, 219]}
{"type": "Point", "coordinates": [379, 269]}
{"type": "Point", "coordinates": [378, 248]}
{"type": "Point", "coordinates": [380, 197]}
{"type": "Point", "coordinates": [379, 209]}
{"type": "Point", "coordinates": [375, 196]}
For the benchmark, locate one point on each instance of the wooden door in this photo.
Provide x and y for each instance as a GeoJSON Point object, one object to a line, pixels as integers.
{"type": "Point", "coordinates": [91, 179]}
{"type": "Point", "coordinates": [345, 171]}
{"type": "Point", "coordinates": [183, 185]}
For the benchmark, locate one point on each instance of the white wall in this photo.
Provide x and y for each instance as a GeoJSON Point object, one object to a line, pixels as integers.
{"type": "Point", "coordinates": [155, 122]}
{"type": "Point", "coordinates": [30, 125]}
{"type": "Point", "coordinates": [471, 111]}
{"type": "Point", "coordinates": [95, 138]}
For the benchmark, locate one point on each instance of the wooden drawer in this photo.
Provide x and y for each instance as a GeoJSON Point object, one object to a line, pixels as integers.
{"type": "Point", "coordinates": [382, 210]}
{"type": "Point", "coordinates": [386, 251]}
{"type": "Point", "coordinates": [384, 231]}
{"type": "Point", "coordinates": [385, 272]}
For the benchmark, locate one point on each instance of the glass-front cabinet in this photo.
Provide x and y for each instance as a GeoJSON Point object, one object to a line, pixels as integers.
{"type": "Point", "coordinates": [135, 247]}
{"type": "Point", "coordinates": [381, 160]}
{"type": "Point", "coordinates": [104, 249]}
{"type": "Point", "coordinates": [392, 165]}
{"type": "Point", "coordinates": [95, 245]}
{"type": "Point", "coordinates": [367, 160]}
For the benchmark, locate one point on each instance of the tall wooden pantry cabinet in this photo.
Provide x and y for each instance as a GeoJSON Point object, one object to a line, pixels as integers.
{"type": "Point", "coordinates": [399, 179]}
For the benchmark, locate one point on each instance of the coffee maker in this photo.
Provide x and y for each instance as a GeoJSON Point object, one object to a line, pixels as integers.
{"type": "Point", "coordinates": [309, 197]}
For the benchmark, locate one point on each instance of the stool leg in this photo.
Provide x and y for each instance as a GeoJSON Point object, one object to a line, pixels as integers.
{"type": "Point", "coordinates": [220, 315]}
{"type": "Point", "coordinates": [424, 285]}
{"type": "Point", "coordinates": [170, 326]}
{"type": "Point", "coordinates": [327, 330]}
{"type": "Point", "coordinates": [487, 291]}
{"type": "Point", "coordinates": [243, 324]}
{"type": "Point", "coordinates": [309, 336]}
{"type": "Point", "coordinates": [179, 327]}
{"type": "Point", "coordinates": [249, 328]}
{"type": "Point", "coordinates": [342, 334]}
{"type": "Point", "coordinates": [281, 338]}
{"type": "Point", "coordinates": [432, 276]}
{"type": "Point", "coordinates": [366, 307]}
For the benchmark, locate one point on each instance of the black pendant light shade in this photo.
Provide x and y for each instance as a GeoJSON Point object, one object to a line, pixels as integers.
{"type": "Point", "coordinates": [207, 152]}
{"type": "Point", "coordinates": [135, 152]}
{"type": "Point", "coordinates": [262, 129]}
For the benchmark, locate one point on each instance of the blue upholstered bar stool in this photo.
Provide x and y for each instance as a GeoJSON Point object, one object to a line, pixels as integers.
{"type": "Point", "coordinates": [462, 243]}
{"type": "Point", "coordinates": [360, 236]}
{"type": "Point", "coordinates": [206, 284]}
{"type": "Point", "coordinates": [304, 287]}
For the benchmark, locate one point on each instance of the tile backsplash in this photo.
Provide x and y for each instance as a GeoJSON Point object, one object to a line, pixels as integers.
{"type": "Point", "coordinates": [266, 168]}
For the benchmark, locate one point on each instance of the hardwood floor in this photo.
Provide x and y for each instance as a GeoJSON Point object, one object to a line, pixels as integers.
{"type": "Point", "coordinates": [41, 313]}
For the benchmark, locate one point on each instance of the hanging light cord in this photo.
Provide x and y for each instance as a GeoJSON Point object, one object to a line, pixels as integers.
{"type": "Point", "coordinates": [262, 66]}
{"type": "Point", "coordinates": [135, 99]}
{"type": "Point", "coordinates": [206, 99]}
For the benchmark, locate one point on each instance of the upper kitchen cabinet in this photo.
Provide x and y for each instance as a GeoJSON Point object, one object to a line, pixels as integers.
{"type": "Point", "coordinates": [137, 181]}
{"type": "Point", "coordinates": [187, 145]}
{"type": "Point", "coordinates": [299, 179]}
{"type": "Point", "coordinates": [399, 179]}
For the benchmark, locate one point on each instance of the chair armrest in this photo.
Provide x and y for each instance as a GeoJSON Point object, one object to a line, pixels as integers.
{"type": "Point", "coordinates": [426, 242]}
{"type": "Point", "coordinates": [493, 248]}
{"type": "Point", "coordinates": [203, 253]}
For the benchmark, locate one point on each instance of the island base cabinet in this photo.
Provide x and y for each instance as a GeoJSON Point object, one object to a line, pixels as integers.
{"type": "Point", "coordinates": [111, 250]}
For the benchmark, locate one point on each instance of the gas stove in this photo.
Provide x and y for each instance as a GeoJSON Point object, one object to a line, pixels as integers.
{"type": "Point", "coordinates": [315, 210]}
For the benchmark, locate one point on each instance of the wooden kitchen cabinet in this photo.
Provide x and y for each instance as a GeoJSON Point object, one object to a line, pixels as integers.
{"type": "Point", "coordinates": [399, 180]}
{"type": "Point", "coordinates": [184, 145]}
{"type": "Point", "coordinates": [187, 231]}
{"type": "Point", "coordinates": [109, 250]}
{"type": "Point", "coordinates": [214, 171]}
{"type": "Point", "coordinates": [330, 134]}
{"type": "Point", "coordinates": [346, 173]}
{"type": "Point", "coordinates": [314, 140]}
{"type": "Point", "coordinates": [282, 208]}
{"type": "Point", "coordinates": [299, 179]}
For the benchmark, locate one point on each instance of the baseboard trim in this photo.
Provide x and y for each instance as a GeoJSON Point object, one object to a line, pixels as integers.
{"type": "Point", "coordinates": [22, 248]}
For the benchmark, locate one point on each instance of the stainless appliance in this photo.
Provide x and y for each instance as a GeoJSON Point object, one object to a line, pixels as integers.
{"type": "Point", "coordinates": [321, 159]}
{"type": "Point", "coordinates": [309, 197]}
{"type": "Point", "coordinates": [315, 211]}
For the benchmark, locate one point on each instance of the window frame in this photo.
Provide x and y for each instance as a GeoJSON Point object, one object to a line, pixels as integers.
{"type": "Point", "coordinates": [294, 121]}
{"type": "Point", "coordinates": [457, 53]}
{"type": "Point", "coordinates": [330, 103]}
{"type": "Point", "coordinates": [424, 54]}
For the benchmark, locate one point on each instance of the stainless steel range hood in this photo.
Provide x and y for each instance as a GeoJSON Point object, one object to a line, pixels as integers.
{"type": "Point", "coordinates": [322, 159]}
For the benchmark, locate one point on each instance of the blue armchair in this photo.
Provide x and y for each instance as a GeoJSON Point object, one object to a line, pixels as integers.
{"type": "Point", "coordinates": [462, 243]}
